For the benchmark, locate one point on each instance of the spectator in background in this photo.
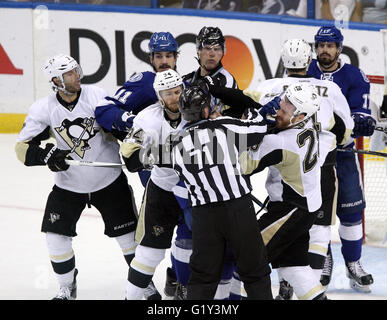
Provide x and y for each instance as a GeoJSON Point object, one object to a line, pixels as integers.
{"type": "Point", "coordinates": [374, 11]}
{"type": "Point", "coordinates": [347, 10]}
{"type": "Point", "coordinates": [282, 7]}
{"type": "Point", "coordinates": [235, 5]}
{"type": "Point", "coordinates": [297, 8]}
{"type": "Point", "coordinates": [370, 11]}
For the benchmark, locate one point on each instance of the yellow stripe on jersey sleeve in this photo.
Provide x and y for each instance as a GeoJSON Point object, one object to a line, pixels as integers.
{"type": "Point", "coordinates": [128, 148]}
{"type": "Point", "coordinates": [21, 151]}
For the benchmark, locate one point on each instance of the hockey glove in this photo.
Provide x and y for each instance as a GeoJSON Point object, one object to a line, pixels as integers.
{"type": "Point", "coordinates": [208, 84]}
{"type": "Point", "coordinates": [270, 109]}
{"type": "Point", "coordinates": [55, 158]}
{"type": "Point", "coordinates": [250, 113]}
{"type": "Point", "coordinates": [364, 125]}
{"type": "Point", "coordinates": [123, 121]}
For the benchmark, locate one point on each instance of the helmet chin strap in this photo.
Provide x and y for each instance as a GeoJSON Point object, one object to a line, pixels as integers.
{"type": "Point", "coordinates": [64, 91]}
{"type": "Point", "coordinates": [298, 122]}
{"type": "Point", "coordinates": [174, 115]}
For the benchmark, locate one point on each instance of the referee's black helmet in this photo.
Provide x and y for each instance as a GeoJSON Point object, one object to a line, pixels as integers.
{"type": "Point", "coordinates": [192, 102]}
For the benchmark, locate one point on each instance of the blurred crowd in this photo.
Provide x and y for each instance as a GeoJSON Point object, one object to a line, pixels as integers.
{"type": "Point", "coordinates": [370, 11]}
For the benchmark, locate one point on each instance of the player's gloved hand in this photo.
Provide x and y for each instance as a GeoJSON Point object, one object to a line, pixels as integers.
{"type": "Point", "coordinates": [123, 121]}
{"type": "Point", "coordinates": [270, 109]}
{"type": "Point", "coordinates": [250, 113]}
{"type": "Point", "coordinates": [364, 125]}
{"type": "Point", "coordinates": [55, 158]}
{"type": "Point", "coordinates": [147, 158]}
{"type": "Point", "coordinates": [208, 84]}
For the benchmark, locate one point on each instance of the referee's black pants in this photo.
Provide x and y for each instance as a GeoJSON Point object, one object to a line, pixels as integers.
{"type": "Point", "coordinates": [232, 223]}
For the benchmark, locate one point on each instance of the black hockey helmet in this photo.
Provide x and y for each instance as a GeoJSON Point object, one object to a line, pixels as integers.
{"type": "Point", "coordinates": [210, 36]}
{"type": "Point", "coordinates": [192, 102]}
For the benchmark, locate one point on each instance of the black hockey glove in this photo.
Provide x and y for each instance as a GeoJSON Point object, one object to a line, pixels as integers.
{"type": "Point", "coordinates": [212, 83]}
{"type": "Point", "coordinates": [55, 158]}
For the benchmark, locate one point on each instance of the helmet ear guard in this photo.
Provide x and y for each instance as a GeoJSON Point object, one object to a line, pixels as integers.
{"type": "Point", "coordinates": [58, 65]}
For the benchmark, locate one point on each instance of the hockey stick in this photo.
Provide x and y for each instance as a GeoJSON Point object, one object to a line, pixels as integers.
{"type": "Point", "coordinates": [373, 153]}
{"type": "Point", "coordinates": [383, 129]}
{"type": "Point", "coordinates": [256, 200]}
{"type": "Point", "coordinates": [94, 164]}
{"type": "Point", "coordinates": [259, 203]}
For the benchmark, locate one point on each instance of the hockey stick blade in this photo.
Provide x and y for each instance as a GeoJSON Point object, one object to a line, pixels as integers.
{"type": "Point", "coordinates": [94, 164]}
{"type": "Point", "coordinates": [373, 153]}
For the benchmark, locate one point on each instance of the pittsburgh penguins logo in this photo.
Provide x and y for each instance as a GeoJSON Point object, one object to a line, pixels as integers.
{"type": "Point", "coordinates": [77, 134]}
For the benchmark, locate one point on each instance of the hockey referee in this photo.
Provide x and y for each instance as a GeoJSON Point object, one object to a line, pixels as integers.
{"type": "Point", "coordinates": [205, 156]}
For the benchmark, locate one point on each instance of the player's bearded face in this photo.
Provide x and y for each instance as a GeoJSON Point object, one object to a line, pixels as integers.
{"type": "Point", "coordinates": [72, 81]}
{"type": "Point", "coordinates": [171, 98]}
{"type": "Point", "coordinates": [327, 53]}
{"type": "Point", "coordinates": [162, 61]}
{"type": "Point", "coordinates": [284, 114]}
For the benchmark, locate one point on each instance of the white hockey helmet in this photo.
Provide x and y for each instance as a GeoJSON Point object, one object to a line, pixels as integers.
{"type": "Point", "coordinates": [296, 54]}
{"type": "Point", "coordinates": [165, 80]}
{"type": "Point", "coordinates": [305, 98]}
{"type": "Point", "coordinates": [56, 66]}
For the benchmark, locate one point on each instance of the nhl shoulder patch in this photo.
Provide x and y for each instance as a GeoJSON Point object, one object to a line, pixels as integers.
{"type": "Point", "coordinates": [365, 78]}
{"type": "Point", "coordinates": [136, 77]}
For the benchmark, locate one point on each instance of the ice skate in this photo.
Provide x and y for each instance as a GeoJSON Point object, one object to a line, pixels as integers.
{"type": "Point", "coordinates": [285, 291]}
{"type": "Point", "coordinates": [151, 292]}
{"type": "Point", "coordinates": [326, 274]}
{"type": "Point", "coordinates": [170, 283]}
{"type": "Point", "coordinates": [68, 292]}
{"type": "Point", "coordinates": [181, 292]}
{"type": "Point", "coordinates": [359, 280]}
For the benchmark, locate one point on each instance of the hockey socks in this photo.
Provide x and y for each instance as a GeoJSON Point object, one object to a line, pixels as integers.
{"type": "Point", "coordinates": [62, 257]}
{"type": "Point", "coordinates": [127, 245]}
{"type": "Point", "coordinates": [141, 270]}
{"type": "Point", "coordinates": [351, 235]}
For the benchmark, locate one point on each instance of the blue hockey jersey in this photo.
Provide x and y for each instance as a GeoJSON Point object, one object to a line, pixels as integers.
{"type": "Point", "coordinates": [355, 86]}
{"type": "Point", "coordinates": [352, 81]}
{"type": "Point", "coordinates": [135, 95]}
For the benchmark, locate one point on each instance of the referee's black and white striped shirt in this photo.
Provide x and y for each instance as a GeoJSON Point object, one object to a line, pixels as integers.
{"type": "Point", "coordinates": [206, 154]}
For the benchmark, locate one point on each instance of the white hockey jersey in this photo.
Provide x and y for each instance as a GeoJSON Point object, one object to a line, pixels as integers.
{"type": "Point", "coordinates": [294, 171]}
{"type": "Point", "coordinates": [333, 101]}
{"type": "Point", "coordinates": [153, 123]}
{"type": "Point", "coordinates": [75, 129]}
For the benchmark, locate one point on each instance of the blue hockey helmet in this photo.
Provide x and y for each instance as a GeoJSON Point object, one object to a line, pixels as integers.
{"type": "Point", "coordinates": [162, 41]}
{"type": "Point", "coordinates": [329, 34]}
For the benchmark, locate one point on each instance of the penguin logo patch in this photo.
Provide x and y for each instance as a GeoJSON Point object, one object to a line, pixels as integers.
{"type": "Point", "coordinates": [77, 133]}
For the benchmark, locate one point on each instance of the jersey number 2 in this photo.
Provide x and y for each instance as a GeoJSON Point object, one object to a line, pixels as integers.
{"type": "Point", "coordinates": [310, 159]}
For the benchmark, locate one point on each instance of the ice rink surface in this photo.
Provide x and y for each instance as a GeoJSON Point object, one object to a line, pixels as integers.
{"type": "Point", "coordinates": [25, 269]}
